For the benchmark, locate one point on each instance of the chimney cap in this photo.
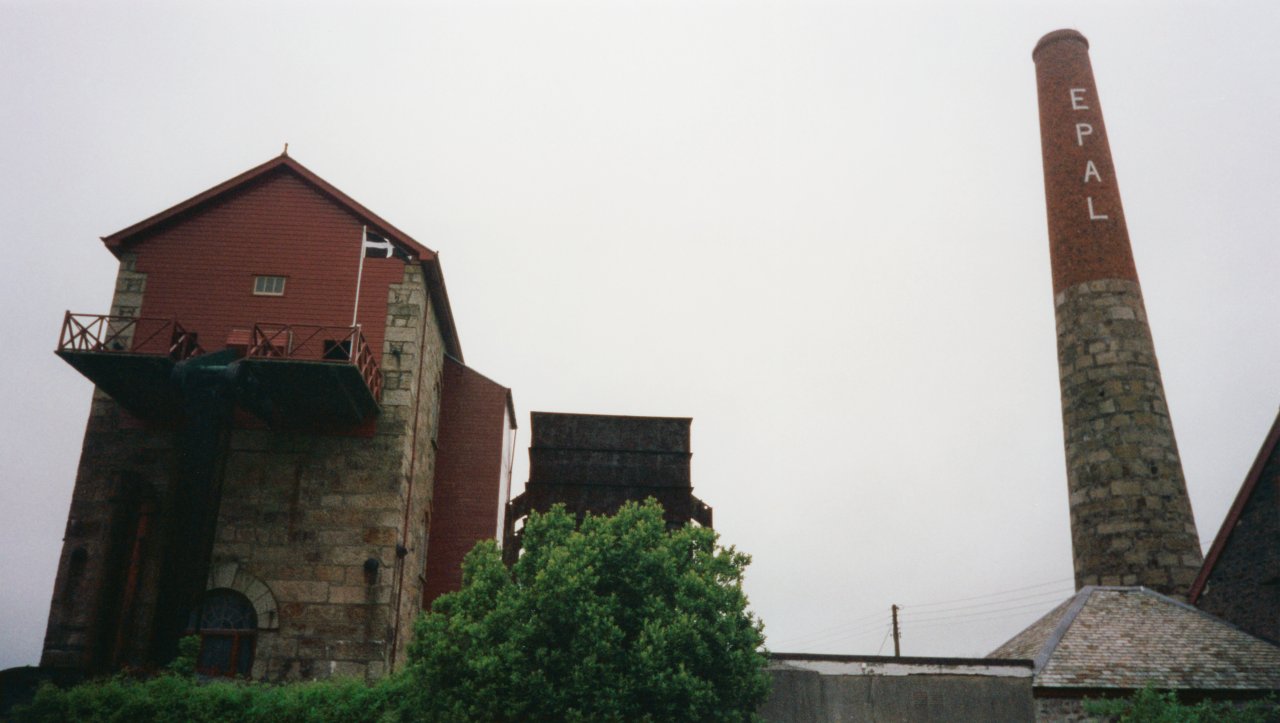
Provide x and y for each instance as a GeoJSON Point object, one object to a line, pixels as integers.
{"type": "Point", "coordinates": [1059, 35]}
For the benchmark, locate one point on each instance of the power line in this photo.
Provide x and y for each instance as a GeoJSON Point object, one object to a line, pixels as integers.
{"type": "Point", "coordinates": [882, 642]}
{"type": "Point", "coordinates": [1048, 594]}
{"type": "Point", "coordinates": [855, 634]}
{"type": "Point", "coordinates": [993, 616]}
{"type": "Point", "coordinates": [977, 613]}
{"type": "Point", "coordinates": [854, 623]}
{"type": "Point", "coordinates": [832, 635]}
{"type": "Point", "coordinates": [993, 594]}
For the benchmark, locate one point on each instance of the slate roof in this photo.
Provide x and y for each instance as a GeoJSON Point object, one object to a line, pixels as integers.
{"type": "Point", "coordinates": [1127, 637]}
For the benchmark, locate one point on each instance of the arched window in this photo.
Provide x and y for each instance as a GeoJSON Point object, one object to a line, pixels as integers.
{"type": "Point", "coordinates": [228, 627]}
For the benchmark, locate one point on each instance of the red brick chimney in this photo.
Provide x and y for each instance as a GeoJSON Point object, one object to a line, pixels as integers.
{"type": "Point", "coordinates": [1131, 521]}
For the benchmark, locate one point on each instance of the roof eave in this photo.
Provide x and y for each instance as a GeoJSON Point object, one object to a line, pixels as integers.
{"type": "Point", "coordinates": [440, 299]}
{"type": "Point", "coordinates": [118, 241]}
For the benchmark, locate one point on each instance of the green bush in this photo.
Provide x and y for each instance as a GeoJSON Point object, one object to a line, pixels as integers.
{"type": "Point", "coordinates": [617, 619]}
{"type": "Point", "coordinates": [171, 698]}
{"type": "Point", "coordinates": [1154, 706]}
{"type": "Point", "coordinates": [177, 695]}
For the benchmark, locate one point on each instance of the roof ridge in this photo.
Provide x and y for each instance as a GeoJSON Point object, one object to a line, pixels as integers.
{"type": "Point", "coordinates": [1064, 624]}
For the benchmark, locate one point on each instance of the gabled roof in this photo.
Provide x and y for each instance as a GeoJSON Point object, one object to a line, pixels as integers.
{"type": "Point", "coordinates": [1129, 637]}
{"type": "Point", "coordinates": [1237, 509]}
{"type": "Point", "coordinates": [430, 260]}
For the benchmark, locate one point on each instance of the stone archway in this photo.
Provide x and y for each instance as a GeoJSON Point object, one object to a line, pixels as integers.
{"type": "Point", "coordinates": [232, 576]}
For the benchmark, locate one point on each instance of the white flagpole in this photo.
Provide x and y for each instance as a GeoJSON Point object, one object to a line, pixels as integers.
{"type": "Point", "coordinates": [364, 236]}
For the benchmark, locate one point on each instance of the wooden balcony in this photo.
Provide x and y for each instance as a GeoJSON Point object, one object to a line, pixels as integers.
{"type": "Point", "coordinates": [130, 358]}
{"type": "Point", "coordinates": [290, 375]}
{"type": "Point", "coordinates": [300, 375]}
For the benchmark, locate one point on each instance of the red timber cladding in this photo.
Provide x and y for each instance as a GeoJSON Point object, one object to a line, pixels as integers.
{"type": "Point", "coordinates": [468, 474]}
{"type": "Point", "coordinates": [200, 269]}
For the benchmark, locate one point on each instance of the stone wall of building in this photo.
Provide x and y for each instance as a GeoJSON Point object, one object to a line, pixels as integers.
{"type": "Point", "coordinates": [1061, 710]}
{"type": "Point", "coordinates": [1131, 518]}
{"type": "Point", "coordinates": [125, 472]}
{"type": "Point", "coordinates": [1244, 585]}
{"type": "Point", "coordinates": [316, 520]}
{"type": "Point", "coordinates": [322, 532]}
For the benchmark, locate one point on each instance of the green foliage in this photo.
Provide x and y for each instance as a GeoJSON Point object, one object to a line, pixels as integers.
{"type": "Point", "coordinates": [185, 662]}
{"type": "Point", "coordinates": [619, 620]}
{"type": "Point", "coordinates": [1153, 706]}
{"type": "Point", "coordinates": [616, 620]}
{"type": "Point", "coordinates": [172, 698]}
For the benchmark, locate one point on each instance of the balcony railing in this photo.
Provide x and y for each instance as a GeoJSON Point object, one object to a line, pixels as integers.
{"type": "Point", "coordinates": [305, 342]}
{"type": "Point", "coordinates": [125, 334]}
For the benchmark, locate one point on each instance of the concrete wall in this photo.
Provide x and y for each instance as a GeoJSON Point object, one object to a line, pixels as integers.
{"type": "Point", "coordinates": [857, 690]}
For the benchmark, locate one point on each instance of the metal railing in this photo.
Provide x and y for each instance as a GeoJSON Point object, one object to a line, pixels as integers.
{"type": "Point", "coordinates": [334, 344]}
{"type": "Point", "coordinates": [120, 334]}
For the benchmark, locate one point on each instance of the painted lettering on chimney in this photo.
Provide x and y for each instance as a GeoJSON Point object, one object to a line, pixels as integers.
{"type": "Point", "coordinates": [1077, 96]}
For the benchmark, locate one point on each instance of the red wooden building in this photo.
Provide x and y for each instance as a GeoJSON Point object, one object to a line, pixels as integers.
{"type": "Point", "coordinates": [286, 453]}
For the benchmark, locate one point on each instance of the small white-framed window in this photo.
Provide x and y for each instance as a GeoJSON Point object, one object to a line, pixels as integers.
{"type": "Point", "coordinates": [268, 286]}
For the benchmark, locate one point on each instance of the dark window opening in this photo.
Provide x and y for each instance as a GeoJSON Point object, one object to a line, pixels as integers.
{"type": "Point", "coordinates": [337, 350]}
{"type": "Point", "coordinates": [228, 630]}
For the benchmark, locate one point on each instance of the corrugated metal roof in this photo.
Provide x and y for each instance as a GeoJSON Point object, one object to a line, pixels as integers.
{"type": "Point", "coordinates": [1129, 637]}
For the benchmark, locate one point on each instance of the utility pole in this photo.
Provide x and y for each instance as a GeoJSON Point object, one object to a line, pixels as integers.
{"type": "Point", "coordinates": [897, 651]}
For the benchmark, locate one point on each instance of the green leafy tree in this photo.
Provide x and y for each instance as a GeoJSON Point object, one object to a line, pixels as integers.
{"type": "Point", "coordinates": [617, 619]}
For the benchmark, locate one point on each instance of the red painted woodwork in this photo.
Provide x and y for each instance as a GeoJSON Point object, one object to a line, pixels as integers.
{"type": "Point", "coordinates": [201, 269]}
{"type": "Point", "coordinates": [469, 472]}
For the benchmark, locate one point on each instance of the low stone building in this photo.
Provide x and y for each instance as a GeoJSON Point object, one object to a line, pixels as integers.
{"type": "Point", "coordinates": [1240, 580]}
{"type": "Point", "coordinates": [280, 393]}
{"type": "Point", "coordinates": [1114, 641]}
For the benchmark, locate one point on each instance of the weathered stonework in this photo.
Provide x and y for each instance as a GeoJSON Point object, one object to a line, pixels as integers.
{"type": "Point", "coordinates": [302, 516]}
{"type": "Point", "coordinates": [305, 514]}
{"type": "Point", "coordinates": [123, 466]}
{"type": "Point", "coordinates": [1240, 581]}
{"type": "Point", "coordinates": [1131, 522]}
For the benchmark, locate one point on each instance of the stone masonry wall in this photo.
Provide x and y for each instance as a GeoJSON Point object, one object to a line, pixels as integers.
{"type": "Point", "coordinates": [1131, 521]}
{"type": "Point", "coordinates": [421, 368]}
{"type": "Point", "coordinates": [1244, 587]}
{"type": "Point", "coordinates": [316, 520]}
{"type": "Point", "coordinates": [122, 463]}
{"type": "Point", "coordinates": [1061, 710]}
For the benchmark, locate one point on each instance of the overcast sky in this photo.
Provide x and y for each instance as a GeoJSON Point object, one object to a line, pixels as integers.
{"type": "Point", "coordinates": [816, 228]}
